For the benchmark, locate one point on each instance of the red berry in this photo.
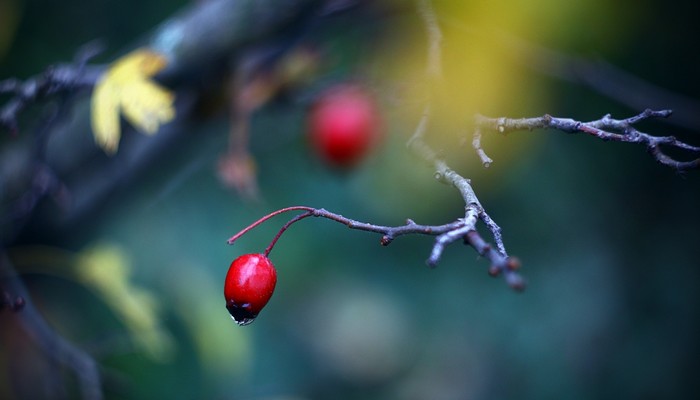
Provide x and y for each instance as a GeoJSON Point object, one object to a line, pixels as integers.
{"type": "Point", "coordinates": [249, 284]}
{"type": "Point", "coordinates": [344, 124]}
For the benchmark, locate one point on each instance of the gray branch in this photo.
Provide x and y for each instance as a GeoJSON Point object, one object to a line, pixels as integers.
{"type": "Point", "coordinates": [605, 128]}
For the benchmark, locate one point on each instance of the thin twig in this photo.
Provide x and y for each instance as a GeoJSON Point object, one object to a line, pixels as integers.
{"type": "Point", "coordinates": [486, 161]}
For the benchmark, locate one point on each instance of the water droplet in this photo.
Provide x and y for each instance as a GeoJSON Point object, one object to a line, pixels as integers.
{"type": "Point", "coordinates": [243, 321]}
{"type": "Point", "coordinates": [241, 314]}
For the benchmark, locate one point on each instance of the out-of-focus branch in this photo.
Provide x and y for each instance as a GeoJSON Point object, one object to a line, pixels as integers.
{"type": "Point", "coordinates": [52, 344]}
{"type": "Point", "coordinates": [205, 32]}
{"type": "Point", "coordinates": [434, 34]}
{"type": "Point", "coordinates": [197, 42]}
{"type": "Point", "coordinates": [211, 30]}
{"type": "Point", "coordinates": [191, 41]}
{"type": "Point", "coordinates": [605, 128]}
{"type": "Point", "coordinates": [56, 80]}
{"type": "Point", "coordinates": [61, 83]}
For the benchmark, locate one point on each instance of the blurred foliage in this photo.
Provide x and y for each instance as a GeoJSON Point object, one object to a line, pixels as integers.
{"type": "Point", "coordinates": [607, 237]}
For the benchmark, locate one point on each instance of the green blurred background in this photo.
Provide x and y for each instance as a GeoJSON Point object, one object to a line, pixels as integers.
{"type": "Point", "coordinates": [608, 238]}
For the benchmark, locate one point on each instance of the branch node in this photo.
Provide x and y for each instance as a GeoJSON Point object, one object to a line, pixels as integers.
{"type": "Point", "coordinates": [513, 264]}
{"type": "Point", "coordinates": [431, 262]}
{"type": "Point", "coordinates": [501, 125]}
{"type": "Point", "coordinates": [516, 282]}
{"type": "Point", "coordinates": [476, 144]}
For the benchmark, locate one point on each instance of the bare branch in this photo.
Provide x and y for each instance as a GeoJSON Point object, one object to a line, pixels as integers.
{"type": "Point", "coordinates": [605, 128]}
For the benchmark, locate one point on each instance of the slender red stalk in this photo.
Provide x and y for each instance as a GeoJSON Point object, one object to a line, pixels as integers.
{"type": "Point", "coordinates": [265, 218]}
{"type": "Point", "coordinates": [284, 228]}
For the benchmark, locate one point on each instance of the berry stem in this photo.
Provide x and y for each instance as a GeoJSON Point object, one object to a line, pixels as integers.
{"type": "Point", "coordinates": [284, 228]}
{"type": "Point", "coordinates": [235, 237]}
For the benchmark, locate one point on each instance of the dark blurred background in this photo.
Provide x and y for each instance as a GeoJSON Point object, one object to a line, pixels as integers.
{"type": "Point", "coordinates": [608, 238]}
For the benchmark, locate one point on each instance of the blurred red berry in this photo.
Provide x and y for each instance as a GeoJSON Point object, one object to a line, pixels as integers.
{"type": "Point", "coordinates": [344, 125]}
{"type": "Point", "coordinates": [249, 284]}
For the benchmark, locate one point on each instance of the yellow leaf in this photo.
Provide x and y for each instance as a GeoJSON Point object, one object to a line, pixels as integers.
{"type": "Point", "coordinates": [126, 88]}
{"type": "Point", "coordinates": [105, 118]}
{"type": "Point", "coordinates": [143, 106]}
